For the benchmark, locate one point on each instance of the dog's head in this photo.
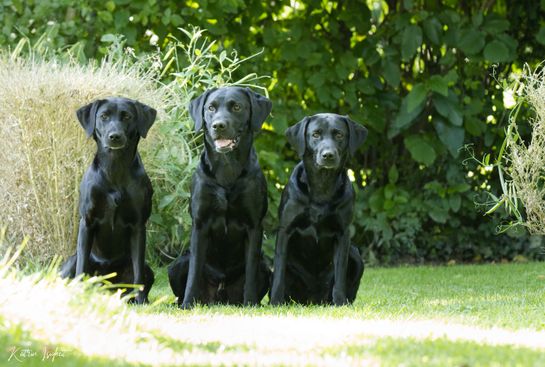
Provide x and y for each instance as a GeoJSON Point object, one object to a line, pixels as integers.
{"type": "Point", "coordinates": [115, 121]}
{"type": "Point", "coordinates": [227, 114]}
{"type": "Point", "coordinates": [327, 138]}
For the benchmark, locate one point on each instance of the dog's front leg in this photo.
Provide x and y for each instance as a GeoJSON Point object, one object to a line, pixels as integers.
{"type": "Point", "coordinates": [198, 246]}
{"type": "Point", "coordinates": [83, 250]}
{"type": "Point", "coordinates": [279, 275]}
{"type": "Point", "coordinates": [138, 250]}
{"type": "Point", "coordinates": [340, 263]}
{"type": "Point", "coordinates": [253, 247]}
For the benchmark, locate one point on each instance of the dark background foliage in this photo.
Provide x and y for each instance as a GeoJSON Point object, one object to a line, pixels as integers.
{"type": "Point", "coordinates": [422, 76]}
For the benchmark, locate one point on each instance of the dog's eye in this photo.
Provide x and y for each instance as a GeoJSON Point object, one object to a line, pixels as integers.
{"type": "Point", "coordinates": [211, 108]}
{"type": "Point", "coordinates": [126, 117]}
{"type": "Point", "coordinates": [316, 134]}
{"type": "Point", "coordinates": [339, 136]}
{"type": "Point", "coordinates": [236, 107]}
{"type": "Point", "coordinates": [104, 117]}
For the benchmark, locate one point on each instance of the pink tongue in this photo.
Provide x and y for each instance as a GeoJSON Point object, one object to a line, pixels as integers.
{"type": "Point", "coordinates": [222, 143]}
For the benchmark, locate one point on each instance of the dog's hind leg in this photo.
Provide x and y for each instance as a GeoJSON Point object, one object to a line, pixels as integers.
{"type": "Point", "coordinates": [354, 273]}
{"type": "Point", "coordinates": [149, 278]}
{"type": "Point", "coordinates": [68, 269]}
{"type": "Point", "coordinates": [264, 276]}
{"type": "Point", "coordinates": [177, 275]}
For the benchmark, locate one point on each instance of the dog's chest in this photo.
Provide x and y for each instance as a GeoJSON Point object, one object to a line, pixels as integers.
{"type": "Point", "coordinates": [232, 205]}
{"type": "Point", "coordinates": [118, 208]}
{"type": "Point", "coordinates": [317, 220]}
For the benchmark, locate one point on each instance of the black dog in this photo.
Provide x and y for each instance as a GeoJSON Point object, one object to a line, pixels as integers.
{"type": "Point", "coordinates": [314, 259]}
{"type": "Point", "coordinates": [115, 196]}
{"type": "Point", "coordinates": [228, 203]}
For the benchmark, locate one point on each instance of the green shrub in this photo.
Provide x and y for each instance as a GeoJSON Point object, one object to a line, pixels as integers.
{"type": "Point", "coordinates": [418, 74]}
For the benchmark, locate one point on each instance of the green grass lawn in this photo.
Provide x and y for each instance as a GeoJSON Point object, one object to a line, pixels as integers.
{"type": "Point", "coordinates": [482, 315]}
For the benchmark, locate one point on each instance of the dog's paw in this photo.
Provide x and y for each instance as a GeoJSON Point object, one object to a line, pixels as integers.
{"type": "Point", "coordinates": [250, 303]}
{"type": "Point", "coordinates": [186, 305]}
{"type": "Point", "coordinates": [276, 301]}
{"type": "Point", "coordinates": [139, 299]}
{"type": "Point", "coordinates": [339, 298]}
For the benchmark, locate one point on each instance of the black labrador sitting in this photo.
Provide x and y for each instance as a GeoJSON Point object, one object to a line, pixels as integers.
{"type": "Point", "coordinates": [224, 263]}
{"type": "Point", "coordinates": [115, 196]}
{"type": "Point", "coordinates": [314, 259]}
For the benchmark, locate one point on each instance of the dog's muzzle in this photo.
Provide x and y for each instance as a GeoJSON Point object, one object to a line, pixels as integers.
{"type": "Point", "coordinates": [115, 141]}
{"type": "Point", "coordinates": [328, 158]}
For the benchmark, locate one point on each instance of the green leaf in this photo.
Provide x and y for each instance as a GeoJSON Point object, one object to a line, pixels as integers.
{"type": "Point", "coordinates": [374, 118]}
{"type": "Point", "coordinates": [317, 80]}
{"type": "Point", "coordinates": [105, 16]}
{"type": "Point", "coordinates": [369, 52]}
{"type": "Point", "coordinates": [436, 187]}
{"type": "Point", "coordinates": [392, 73]}
{"type": "Point", "coordinates": [110, 6]}
{"type": "Point", "coordinates": [376, 201]}
{"type": "Point", "coordinates": [176, 20]}
{"type": "Point", "coordinates": [416, 96]}
{"type": "Point", "coordinates": [471, 41]}
{"type": "Point", "coordinates": [108, 38]}
{"type": "Point", "coordinates": [540, 36]}
{"type": "Point", "coordinates": [463, 187]}
{"type": "Point", "coordinates": [496, 51]}
{"type": "Point", "coordinates": [451, 136]}
{"type": "Point", "coordinates": [438, 215]}
{"type": "Point", "coordinates": [455, 201]}
{"type": "Point", "coordinates": [433, 30]}
{"type": "Point", "coordinates": [448, 109]}
{"type": "Point", "coordinates": [410, 41]}
{"type": "Point", "coordinates": [393, 174]}
{"type": "Point", "coordinates": [389, 191]}
{"type": "Point", "coordinates": [421, 151]}
{"type": "Point", "coordinates": [495, 24]}
{"type": "Point", "coordinates": [439, 84]}
{"type": "Point", "coordinates": [404, 118]}
{"type": "Point", "coordinates": [474, 126]}
{"type": "Point", "coordinates": [477, 19]}
{"type": "Point", "coordinates": [451, 76]}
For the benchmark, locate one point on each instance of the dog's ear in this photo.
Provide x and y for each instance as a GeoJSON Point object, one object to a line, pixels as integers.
{"type": "Point", "coordinates": [296, 136]}
{"type": "Point", "coordinates": [145, 116]}
{"type": "Point", "coordinates": [196, 109]}
{"type": "Point", "coordinates": [357, 135]}
{"type": "Point", "coordinates": [261, 108]}
{"type": "Point", "coordinates": [87, 116]}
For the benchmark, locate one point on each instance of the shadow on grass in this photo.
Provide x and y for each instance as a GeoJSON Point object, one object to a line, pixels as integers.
{"type": "Point", "coordinates": [438, 352]}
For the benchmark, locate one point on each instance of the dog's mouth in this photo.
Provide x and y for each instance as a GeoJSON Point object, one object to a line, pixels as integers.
{"type": "Point", "coordinates": [224, 145]}
{"type": "Point", "coordinates": [115, 147]}
{"type": "Point", "coordinates": [328, 165]}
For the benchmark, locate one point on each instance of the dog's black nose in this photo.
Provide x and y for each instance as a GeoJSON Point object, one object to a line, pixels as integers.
{"type": "Point", "coordinates": [114, 137]}
{"type": "Point", "coordinates": [328, 154]}
{"type": "Point", "coordinates": [218, 125]}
